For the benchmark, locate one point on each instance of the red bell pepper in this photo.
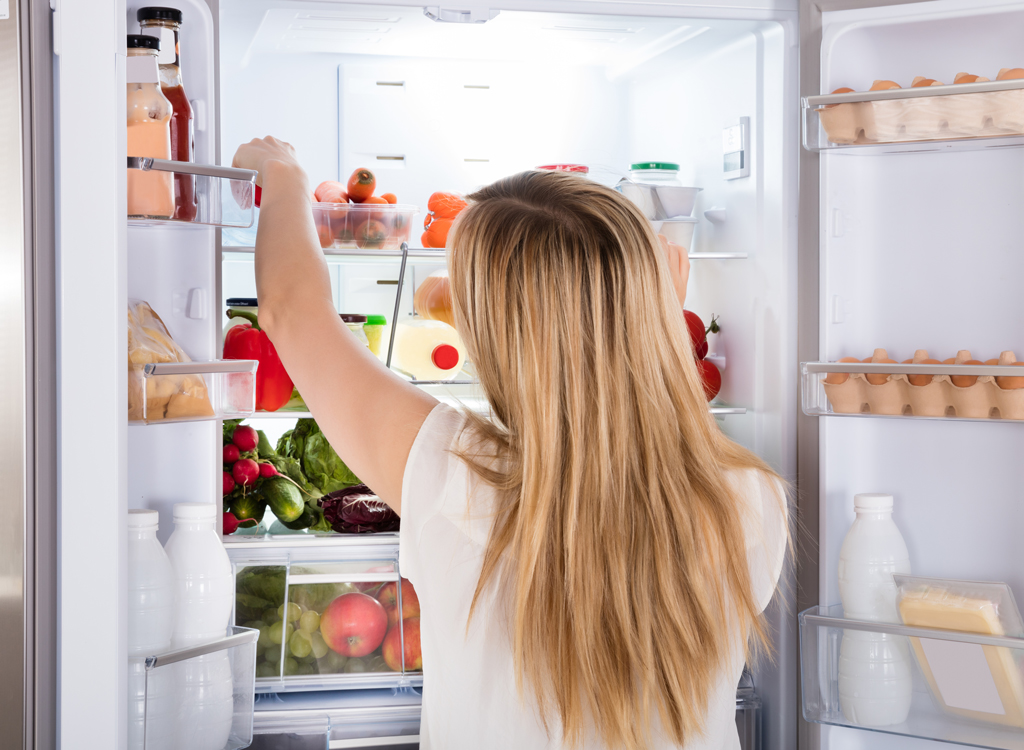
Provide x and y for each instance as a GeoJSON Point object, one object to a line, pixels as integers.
{"type": "Point", "coordinates": [249, 341]}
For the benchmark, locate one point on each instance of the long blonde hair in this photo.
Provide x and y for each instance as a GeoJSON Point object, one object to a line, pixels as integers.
{"type": "Point", "coordinates": [617, 537]}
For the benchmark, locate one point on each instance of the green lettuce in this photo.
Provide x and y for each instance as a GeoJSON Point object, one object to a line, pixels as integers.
{"type": "Point", "coordinates": [317, 460]}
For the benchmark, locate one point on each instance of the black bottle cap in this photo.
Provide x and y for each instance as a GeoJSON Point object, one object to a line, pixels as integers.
{"type": "Point", "coordinates": [143, 41]}
{"type": "Point", "coordinates": [158, 14]}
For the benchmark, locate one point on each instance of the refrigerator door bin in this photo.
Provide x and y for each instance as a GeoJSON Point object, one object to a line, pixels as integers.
{"type": "Point", "coordinates": [191, 391]}
{"type": "Point", "coordinates": [966, 115]}
{"type": "Point", "coordinates": [327, 611]}
{"type": "Point", "coordinates": [195, 697]}
{"type": "Point", "coordinates": [822, 633]}
{"type": "Point", "coordinates": [224, 195]}
{"type": "Point", "coordinates": [843, 389]}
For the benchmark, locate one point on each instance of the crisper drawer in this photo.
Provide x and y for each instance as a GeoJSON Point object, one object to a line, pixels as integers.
{"type": "Point", "coordinates": [332, 720]}
{"type": "Point", "coordinates": [328, 613]}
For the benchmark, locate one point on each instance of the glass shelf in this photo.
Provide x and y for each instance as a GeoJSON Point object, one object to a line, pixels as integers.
{"type": "Point", "coordinates": [434, 253]}
{"type": "Point", "coordinates": [822, 633]}
{"type": "Point", "coordinates": [191, 391]}
{"type": "Point", "coordinates": [197, 697]}
{"type": "Point", "coordinates": [964, 116]}
{"type": "Point", "coordinates": [224, 195]}
{"type": "Point", "coordinates": [895, 396]}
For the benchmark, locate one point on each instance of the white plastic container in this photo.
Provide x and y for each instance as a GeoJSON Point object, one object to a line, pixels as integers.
{"type": "Point", "coordinates": [202, 572]}
{"type": "Point", "coordinates": [874, 668]}
{"type": "Point", "coordinates": [150, 628]}
{"type": "Point", "coordinates": [207, 702]}
{"type": "Point", "coordinates": [679, 231]}
{"type": "Point", "coordinates": [428, 350]}
{"type": "Point", "coordinates": [660, 200]}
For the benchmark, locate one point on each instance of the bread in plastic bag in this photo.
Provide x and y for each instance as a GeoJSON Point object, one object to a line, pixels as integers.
{"type": "Point", "coordinates": [161, 397]}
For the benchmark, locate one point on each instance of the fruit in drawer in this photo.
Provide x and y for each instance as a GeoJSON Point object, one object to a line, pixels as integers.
{"type": "Point", "coordinates": [388, 596]}
{"type": "Point", "coordinates": [330, 191]}
{"type": "Point", "coordinates": [354, 624]}
{"type": "Point", "coordinates": [838, 378]}
{"type": "Point", "coordinates": [361, 185]}
{"type": "Point", "coordinates": [392, 649]}
{"type": "Point", "coordinates": [879, 357]}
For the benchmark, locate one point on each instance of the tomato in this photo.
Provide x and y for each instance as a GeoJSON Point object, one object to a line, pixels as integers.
{"type": "Point", "coordinates": [711, 378]}
{"type": "Point", "coordinates": [698, 338]}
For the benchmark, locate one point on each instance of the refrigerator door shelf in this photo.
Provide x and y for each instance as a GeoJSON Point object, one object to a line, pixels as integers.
{"type": "Point", "coordinates": [963, 116]}
{"type": "Point", "coordinates": [164, 392]}
{"type": "Point", "coordinates": [822, 631]}
{"type": "Point", "coordinates": [961, 392]}
{"type": "Point", "coordinates": [224, 195]}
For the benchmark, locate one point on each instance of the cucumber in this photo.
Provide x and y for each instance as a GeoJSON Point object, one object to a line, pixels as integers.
{"type": "Point", "coordinates": [250, 505]}
{"type": "Point", "coordinates": [284, 498]}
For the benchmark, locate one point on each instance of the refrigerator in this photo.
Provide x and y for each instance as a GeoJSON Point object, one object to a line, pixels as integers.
{"type": "Point", "coordinates": [810, 247]}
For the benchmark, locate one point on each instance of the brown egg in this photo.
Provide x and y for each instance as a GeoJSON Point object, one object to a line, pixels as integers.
{"type": "Point", "coordinates": [1007, 74]}
{"type": "Point", "coordinates": [843, 90]}
{"type": "Point", "coordinates": [921, 81]}
{"type": "Point", "coordinates": [838, 378]}
{"type": "Point", "coordinates": [883, 85]}
{"type": "Point", "coordinates": [1008, 383]}
{"type": "Point", "coordinates": [969, 78]}
{"type": "Point", "coordinates": [921, 379]}
{"type": "Point", "coordinates": [965, 381]}
{"type": "Point", "coordinates": [879, 358]}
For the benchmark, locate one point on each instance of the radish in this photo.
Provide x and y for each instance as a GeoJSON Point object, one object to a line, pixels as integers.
{"type": "Point", "coordinates": [245, 472]}
{"type": "Point", "coordinates": [229, 483]}
{"type": "Point", "coordinates": [245, 438]}
{"type": "Point", "coordinates": [231, 453]}
{"type": "Point", "coordinates": [267, 470]}
{"type": "Point", "coordinates": [230, 522]}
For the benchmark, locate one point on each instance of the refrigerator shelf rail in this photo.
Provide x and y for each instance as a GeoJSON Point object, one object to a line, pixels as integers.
{"type": "Point", "coordinates": [964, 116]}
{"type": "Point", "coordinates": [224, 195]}
{"type": "Point", "coordinates": [438, 253]}
{"type": "Point", "coordinates": [822, 630]}
{"type": "Point", "coordinates": [958, 392]}
{"type": "Point", "coordinates": [164, 392]}
{"type": "Point", "coordinates": [477, 405]}
{"type": "Point", "coordinates": [172, 703]}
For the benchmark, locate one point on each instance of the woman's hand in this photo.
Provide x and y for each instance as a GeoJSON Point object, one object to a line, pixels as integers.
{"type": "Point", "coordinates": [678, 266]}
{"type": "Point", "coordinates": [259, 153]}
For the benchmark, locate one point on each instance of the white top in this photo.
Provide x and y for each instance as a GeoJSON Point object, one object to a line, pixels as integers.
{"type": "Point", "coordinates": [469, 692]}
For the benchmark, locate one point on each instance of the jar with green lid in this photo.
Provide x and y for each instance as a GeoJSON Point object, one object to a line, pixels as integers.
{"type": "Point", "coordinates": [660, 172]}
{"type": "Point", "coordinates": [355, 323]}
{"type": "Point", "coordinates": [374, 330]}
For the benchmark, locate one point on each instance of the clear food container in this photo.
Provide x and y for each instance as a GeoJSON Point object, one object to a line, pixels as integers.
{"type": "Point", "coordinates": [363, 226]}
{"type": "Point", "coordinates": [190, 391]}
{"type": "Point", "coordinates": [679, 231]}
{"type": "Point", "coordinates": [327, 610]}
{"type": "Point", "coordinates": [200, 697]}
{"type": "Point", "coordinates": [660, 201]}
{"type": "Point", "coordinates": [356, 323]}
{"type": "Point", "coordinates": [957, 112]}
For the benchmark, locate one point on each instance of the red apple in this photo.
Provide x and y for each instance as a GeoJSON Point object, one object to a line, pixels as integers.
{"type": "Point", "coordinates": [393, 646]}
{"type": "Point", "coordinates": [698, 337]}
{"type": "Point", "coordinates": [711, 378]}
{"type": "Point", "coordinates": [354, 624]}
{"type": "Point", "coordinates": [388, 596]}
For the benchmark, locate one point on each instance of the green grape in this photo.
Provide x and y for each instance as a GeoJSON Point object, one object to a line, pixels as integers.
{"type": "Point", "coordinates": [276, 635]}
{"type": "Point", "coordinates": [290, 665]}
{"type": "Point", "coordinates": [300, 644]}
{"type": "Point", "coordinates": [306, 667]}
{"type": "Point", "coordinates": [255, 624]}
{"type": "Point", "coordinates": [356, 665]}
{"type": "Point", "coordinates": [274, 654]}
{"type": "Point", "coordinates": [264, 640]}
{"type": "Point", "coordinates": [377, 664]}
{"type": "Point", "coordinates": [333, 663]}
{"type": "Point", "coordinates": [310, 621]}
{"type": "Point", "coordinates": [266, 669]}
{"type": "Point", "coordinates": [270, 615]}
{"type": "Point", "coordinates": [294, 612]}
{"type": "Point", "coordinates": [320, 648]}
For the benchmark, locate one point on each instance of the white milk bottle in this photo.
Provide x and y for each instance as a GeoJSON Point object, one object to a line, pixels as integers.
{"type": "Point", "coordinates": [150, 628]}
{"type": "Point", "coordinates": [205, 589]}
{"type": "Point", "coordinates": [428, 349]}
{"type": "Point", "coordinates": [874, 668]}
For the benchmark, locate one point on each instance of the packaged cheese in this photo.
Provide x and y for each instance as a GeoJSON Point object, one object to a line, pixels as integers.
{"type": "Point", "coordinates": [972, 680]}
{"type": "Point", "coordinates": [162, 397]}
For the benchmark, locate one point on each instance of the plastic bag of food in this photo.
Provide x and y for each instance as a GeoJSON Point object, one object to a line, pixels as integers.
{"type": "Point", "coordinates": [159, 397]}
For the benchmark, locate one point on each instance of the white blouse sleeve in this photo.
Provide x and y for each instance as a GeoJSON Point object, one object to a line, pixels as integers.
{"type": "Point", "coordinates": [766, 524]}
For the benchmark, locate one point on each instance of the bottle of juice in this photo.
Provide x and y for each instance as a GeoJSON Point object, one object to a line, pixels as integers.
{"type": "Point", "coordinates": [150, 193]}
{"type": "Point", "coordinates": [165, 23]}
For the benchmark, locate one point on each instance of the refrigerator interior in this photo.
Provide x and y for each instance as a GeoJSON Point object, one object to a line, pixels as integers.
{"type": "Point", "coordinates": [919, 251]}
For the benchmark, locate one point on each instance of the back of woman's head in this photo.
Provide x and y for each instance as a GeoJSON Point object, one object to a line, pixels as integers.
{"type": "Point", "coordinates": [617, 536]}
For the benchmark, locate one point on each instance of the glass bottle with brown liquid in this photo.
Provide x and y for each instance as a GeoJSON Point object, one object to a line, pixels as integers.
{"type": "Point", "coordinates": [165, 23]}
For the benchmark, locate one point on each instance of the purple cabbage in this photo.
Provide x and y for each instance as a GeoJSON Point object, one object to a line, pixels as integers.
{"type": "Point", "coordinates": [356, 510]}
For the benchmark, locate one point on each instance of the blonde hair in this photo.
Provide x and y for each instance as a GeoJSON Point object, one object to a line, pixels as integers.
{"type": "Point", "coordinates": [617, 538]}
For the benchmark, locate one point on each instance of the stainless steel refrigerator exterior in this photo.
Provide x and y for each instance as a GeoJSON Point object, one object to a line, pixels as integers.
{"type": "Point", "coordinates": [27, 379]}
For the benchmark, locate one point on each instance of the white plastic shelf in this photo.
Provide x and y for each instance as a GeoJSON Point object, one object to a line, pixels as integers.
{"type": "Point", "coordinates": [822, 630]}
{"type": "Point", "coordinates": [984, 400]}
{"type": "Point", "coordinates": [165, 392]}
{"type": "Point", "coordinates": [965, 116]}
{"type": "Point", "coordinates": [223, 195]}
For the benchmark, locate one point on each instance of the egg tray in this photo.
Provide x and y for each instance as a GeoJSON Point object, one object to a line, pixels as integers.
{"type": "Point", "coordinates": [926, 118]}
{"type": "Point", "coordinates": [940, 398]}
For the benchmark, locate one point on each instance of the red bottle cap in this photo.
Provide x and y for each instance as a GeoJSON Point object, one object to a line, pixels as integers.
{"type": "Point", "coordinates": [444, 356]}
{"type": "Point", "coordinates": [565, 168]}
{"type": "Point", "coordinates": [257, 195]}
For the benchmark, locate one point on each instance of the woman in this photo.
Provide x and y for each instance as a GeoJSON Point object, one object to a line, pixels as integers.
{"type": "Point", "coordinates": [590, 565]}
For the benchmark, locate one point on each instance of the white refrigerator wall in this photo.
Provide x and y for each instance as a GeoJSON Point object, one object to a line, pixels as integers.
{"type": "Point", "coordinates": [921, 251]}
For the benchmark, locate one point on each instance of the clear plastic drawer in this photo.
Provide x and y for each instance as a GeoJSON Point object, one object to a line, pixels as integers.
{"type": "Point", "coordinates": [223, 196]}
{"type": "Point", "coordinates": [191, 391]}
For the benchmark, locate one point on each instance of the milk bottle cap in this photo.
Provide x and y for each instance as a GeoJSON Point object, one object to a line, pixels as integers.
{"type": "Point", "coordinates": [872, 501]}
{"type": "Point", "coordinates": [143, 519]}
{"type": "Point", "coordinates": [195, 512]}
